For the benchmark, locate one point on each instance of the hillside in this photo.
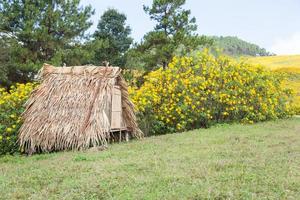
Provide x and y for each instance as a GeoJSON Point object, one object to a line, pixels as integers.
{"type": "Point", "coordinates": [234, 46]}
{"type": "Point", "coordinates": [223, 162]}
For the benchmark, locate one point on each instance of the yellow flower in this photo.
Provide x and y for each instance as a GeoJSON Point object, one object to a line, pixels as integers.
{"type": "Point", "coordinates": [225, 113]}
{"type": "Point", "coordinates": [9, 130]}
{"type": "Point", "coordinates": [178, 126]}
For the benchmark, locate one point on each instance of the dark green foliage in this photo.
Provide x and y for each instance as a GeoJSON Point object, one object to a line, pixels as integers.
{"type": "Point", "coordinates": [11, 50]}
{"type": "Point", "coordinates": [155, 50]}
{"type": "Point", "coordinates": [114, 35]}
{"type": "Point", "coordinates": [74, 55]}
{"type": "Point", "coordinates": [40, 29]}
{"type": "Point", "coordinates": [234, 46]}
{"type": "Point", "coordinates": [4, 58]}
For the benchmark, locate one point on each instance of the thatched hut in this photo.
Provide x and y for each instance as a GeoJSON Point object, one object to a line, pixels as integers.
{"type": "Point", "coordinates": [77, 108]}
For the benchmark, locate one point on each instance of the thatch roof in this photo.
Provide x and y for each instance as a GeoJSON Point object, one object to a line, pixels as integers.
{"type": "Point", "coordinates": [69, 109]}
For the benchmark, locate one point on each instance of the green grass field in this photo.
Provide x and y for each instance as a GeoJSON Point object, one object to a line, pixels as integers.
{"type": "Point", "coordinates": [260, 161]}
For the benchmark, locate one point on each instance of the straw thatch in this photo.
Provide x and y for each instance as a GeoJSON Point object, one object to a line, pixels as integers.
{"type": "Point", "coordinates": [71, 109]}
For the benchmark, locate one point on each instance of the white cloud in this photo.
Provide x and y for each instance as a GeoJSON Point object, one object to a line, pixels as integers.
{"type": "Point", "coordinates": [287, 46]}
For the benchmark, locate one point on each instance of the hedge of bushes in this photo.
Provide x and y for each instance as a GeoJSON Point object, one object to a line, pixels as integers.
{"type": "Point", "coordinates": [11, 107]}
{"type": "Point", "coordinates": [200, 90]}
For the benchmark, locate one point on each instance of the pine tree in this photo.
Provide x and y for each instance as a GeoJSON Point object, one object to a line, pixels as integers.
{"type": "Point", "coordinates": [41, 28]}
{"type": "Point", "coordinates": [175, 29]}
{"type": "Point", "coordinates": [112, 28]}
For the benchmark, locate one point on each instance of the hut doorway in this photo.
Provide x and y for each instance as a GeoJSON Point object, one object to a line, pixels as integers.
{"type": "Point", "coordinates": [118, 125]}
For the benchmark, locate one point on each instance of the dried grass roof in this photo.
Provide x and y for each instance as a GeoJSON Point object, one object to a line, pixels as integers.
{"type": "Point", "coordinates": [69, 109]}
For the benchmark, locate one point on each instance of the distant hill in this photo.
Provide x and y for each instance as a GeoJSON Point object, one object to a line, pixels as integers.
{"type": "Point", "coordinates": [234, 46]}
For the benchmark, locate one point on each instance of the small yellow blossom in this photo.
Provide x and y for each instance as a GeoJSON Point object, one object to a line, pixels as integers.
{"type": "Point", "coordinates": [9, 130]}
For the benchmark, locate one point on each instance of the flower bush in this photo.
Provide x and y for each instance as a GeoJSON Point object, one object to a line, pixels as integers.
{"type": "Point", "coordinates": [11, 107]}
{"type": "Point", "coordinates": [293, 82]}
{"type": "Point", "coordinates": [196, 91]}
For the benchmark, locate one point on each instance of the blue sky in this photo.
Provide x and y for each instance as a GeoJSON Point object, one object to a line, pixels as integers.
{"type": "Point", "coordinates": [272, 24]}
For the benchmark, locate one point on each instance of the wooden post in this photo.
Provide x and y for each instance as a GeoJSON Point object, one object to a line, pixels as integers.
{"type": "Point", "coordinates": [126, 136]}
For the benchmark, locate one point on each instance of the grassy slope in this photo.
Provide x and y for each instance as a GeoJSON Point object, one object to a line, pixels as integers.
{"type": "Point", "coordinates": [229, 161]}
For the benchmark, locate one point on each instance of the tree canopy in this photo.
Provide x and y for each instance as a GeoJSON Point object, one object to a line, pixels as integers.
{"type": "Point", "coordinates": [113, 30]}
{"type": "Point", "coordinates": [56, 32]}
{"type": "Point", "coordinates": [171, 18]}
{"type": "Point", "coordinates": [174, 31]}
{"type": "Point", "coordinates": [40, 29]}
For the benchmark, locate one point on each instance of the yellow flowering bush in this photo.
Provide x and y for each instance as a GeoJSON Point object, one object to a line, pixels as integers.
{"type": "Point", "coordinates": [11, 106]}
{"type": "Point", "coordinates": [293, 82]}
{"type": "Point", "coordinates": [196, 91]}
{"type": "Point", "coordinates": [288, 65]}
